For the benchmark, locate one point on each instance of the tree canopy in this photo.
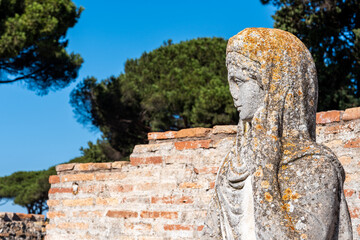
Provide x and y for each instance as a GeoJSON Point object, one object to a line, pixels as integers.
{"type": "Point", "coordinates": [175, 86]}
{"type": "Point", "coordinates": [32, 43]}
{"type": "Point", "coordinates": [331, 31]}
{"type": "Point", "coordinates": [28, 189]}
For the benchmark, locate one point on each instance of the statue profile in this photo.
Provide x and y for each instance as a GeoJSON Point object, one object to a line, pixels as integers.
{"type": "Point", "coordinates": [276, 182]}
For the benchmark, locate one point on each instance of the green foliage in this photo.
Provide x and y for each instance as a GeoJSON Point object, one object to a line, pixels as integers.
{"type": "Point", "coordinates": [331, 31]}
{"type": "Point", "coordinates": [32, 43]}
{"type": "Point", "coordinates": [28, 189]}
{"type": "Point", "coordinates": [175, 86]}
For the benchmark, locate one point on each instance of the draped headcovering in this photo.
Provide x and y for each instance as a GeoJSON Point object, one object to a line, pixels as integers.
{"type": "Point", "coordinates": [282, 132]}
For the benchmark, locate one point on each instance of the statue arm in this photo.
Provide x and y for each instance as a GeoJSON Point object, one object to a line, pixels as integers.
{"type": "Point", "coordinates": [300, 202]}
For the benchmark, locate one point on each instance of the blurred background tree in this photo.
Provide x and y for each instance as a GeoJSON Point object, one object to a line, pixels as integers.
{"type": "Point", "coordinates": [175, 86]}
{"type": "Point", "coordinates": [32, 43]}
{"type": "Point", "coordinates": [331, 31]}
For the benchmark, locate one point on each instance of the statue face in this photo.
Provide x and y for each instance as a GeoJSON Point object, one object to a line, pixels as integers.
{"type": "Point", "coordinates": [244, 78]}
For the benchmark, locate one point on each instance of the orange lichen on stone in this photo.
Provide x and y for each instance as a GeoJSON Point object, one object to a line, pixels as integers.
{"type": "Point", "coordinates": [268, 197]}
{"type": "Point", "coordinates": [259, 172]}
{"type": "Point", "coordinates": [265, 184]}
{"type": "Point", "coordinates": [286, 207]}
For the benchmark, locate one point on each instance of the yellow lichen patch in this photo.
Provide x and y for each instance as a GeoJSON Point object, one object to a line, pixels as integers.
{"type": "Point", "coordinates": [259, 172]}
{"type": "Point", "coordinates": [265, 184]}
{"type": "Point", "coordinates": [285, 207]}
{"type": "Point", "coordinates": [274, 137]}
{"type": "Point", "coordinates": [286, 197]}
{"type": "Point", "coordinates": [295, 196]}
{"type": "Point", "coordinates": [288, 191]}
{"type": "Point", "coordinates": [268, 197]}
{"type": "Point", "coordinates": [269, 166]}
{"type": "Point", "coordinates": [284, 167]}
{"type": "Point", "coordinates": [303, 236]}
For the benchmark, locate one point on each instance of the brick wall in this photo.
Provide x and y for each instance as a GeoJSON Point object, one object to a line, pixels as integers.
{"type": "Point", "coordinates": [21, 226]}
{"type": "Point", "coordinates": [165, 189]}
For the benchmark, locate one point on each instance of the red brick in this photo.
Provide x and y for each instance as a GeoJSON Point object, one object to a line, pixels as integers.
{"type": "Point", "coordinates": [110, 176]}
{"type": "Point", "coordinates": [162, 135]}
{"type": "Point", "coordinates": [60, 190]}
{"type": "Point", "coordinates": [328, 117]}
{"type": "Point", "coordinates": [193, 132]}
{"type": "Point", "coordinates": [52, 203]}
{"type": "Point", "coordinates": [77, 177]}
{"type": "Point", "coordinates": [156, 214]}
{"type": "Point", "coordinates": [354, 212]}
{"type": "Point", "coordinates": [206, 170]}
{"type": "Point", "coordinates": [86, 214]}
{"type": "Point", "coordinates": [65, 167]}
{"type": "Point", "coordinates": [192, 144]}
{"type": "Point", "coordinates": [348, 192]}
{"type": "Point", "coordinates": [135, 161]}
{"type": "Point", "coordinates": [119, 164]}
{"type": "Point", "coordinates": [121, 214]}
{"type": "Point", "coordinates": [172, 200]}
{"type": "Point", "coordinates": [212, 185]}
{"type": "Point", "coordinates": [358, 230]}
{"type": "Point", "coordinates": [72, 225]}
{"type": "Point", "coordinates": [55, 214]}
{"type": "Point", "coordinates": [351, 114]}
{"type": "Point", "coordinates": [354, 143]}
{"type": "Point", "coordinates": [78, 202]}
{"type": "Point", "coordinates": [92, 166]}
{"type": "Point", "coordinates": [106, 201]}
{"type": "Point", "coordinates": [225, 129]}
{"type": "Point", "coordinates": [54, 179]}
{"type": "Point", "coordinates": [177, 227]}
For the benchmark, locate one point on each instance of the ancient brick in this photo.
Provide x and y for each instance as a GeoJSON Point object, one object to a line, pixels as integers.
{"type": "Point", "coordinates": [158, 214]}
{"type": "Point", "coordinates": [172, 200]}
{"type": "Point", "coordinates": [78, 202]}
{"type": "Point", "coordinates": [328, 117]}
{"type": "Point", "coordinates": [351, 114]}
{"type": "Point", "coordinates": [211, 185]}
{"type": "Point", "coordinates": [92, 166]}
{"type": "Point", "coordinates": [107, 201]}
{"type": "Point", "coordinates": [135, 161]}
{"type": "Point", "coordinates": [119, 164]}
{"type": "Point", "coordinates": [193, 132]}
{"type": "Point", "coordinates": [138, 226]}
{"type": "Point", "coordinates": [110, 176]}
{"type": "Point", "coordinates": [86, 214]}
{"type": "Point", "coordinates": [65, 167]}
{"type": "Point", "coordinates": [205, 170]}
{"type": "Point", "coordinates": [54, 179]}
{"type": "Point", "coordinates": [55, 214]}
{"type": "Point", "coordinates": [177, 227]}
{"type": "Point", "coordinates": [146, 148]}
{"type": "Point", "coordinates": [123, 188]}
{"type": "Point", "coordinates": [192, 144]}
{"type": "Point", "coordinates": [73, 225]}
{"type": "Point", "coordinates": [354, 143]}
{"type": "Point", "coordinates": [189, 185]}
{"type": "Point", "coordinates": [121, 214]}
{"type": "Point", "coordinates": [162, 135]}
{"type": "Point", "coordinates": [60, 190]}
{"type": "Point", "coordinates": [52, 203]}
{"type": "Point", "coordinates": [225, 129]}
{"type": "Point", "coordinates": [77, 177]}
{"type": "Point", "coordinates": [358, 230]}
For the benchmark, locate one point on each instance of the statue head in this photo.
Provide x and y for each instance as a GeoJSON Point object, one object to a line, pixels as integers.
{"type": "Point", "coordinates": [273, 82]}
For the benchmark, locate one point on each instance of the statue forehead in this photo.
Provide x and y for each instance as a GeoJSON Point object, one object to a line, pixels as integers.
{"type": "Point", "coordinates": [266, 45]}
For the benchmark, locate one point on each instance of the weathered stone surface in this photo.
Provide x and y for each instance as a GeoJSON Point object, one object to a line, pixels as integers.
{"type": "Point", "coordinates": [277, 182]}
{"type": "Point", "coordinates": [22, 226]}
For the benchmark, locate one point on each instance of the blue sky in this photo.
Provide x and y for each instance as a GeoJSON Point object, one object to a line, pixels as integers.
{"type": "Point", "coordinates": [39, 132]}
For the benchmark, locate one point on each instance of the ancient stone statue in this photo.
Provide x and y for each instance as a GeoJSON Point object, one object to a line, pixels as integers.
{"type": "Point", "coordinates": [276, 182]}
